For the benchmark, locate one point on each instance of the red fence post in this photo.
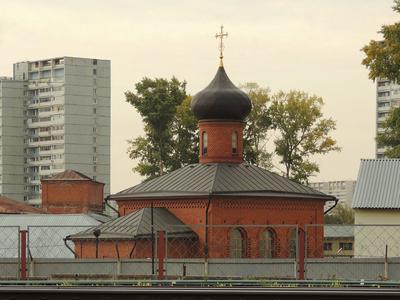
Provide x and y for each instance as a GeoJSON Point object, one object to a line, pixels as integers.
{"type": "Point", "coordinates": [23, 244]}
{"type": "Point", "coordinates": [160, 254]}
{"type": "Point", "coordinates": [301, 269]}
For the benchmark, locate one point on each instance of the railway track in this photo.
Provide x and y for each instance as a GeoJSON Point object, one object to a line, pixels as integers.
{"type": "Point", "coordinates": [189, 293]}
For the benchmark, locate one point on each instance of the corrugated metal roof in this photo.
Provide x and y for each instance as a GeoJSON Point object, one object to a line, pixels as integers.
{"type": "Point", "coordinates": [220, 179]}
{"type": "Point", "coordinates": [338, 231]}
{"type": "Point", "coordinates": [45, 233]}
{"type": "Point", "coordinates": [378, 184]}
{"type": "Point", "coordinates": [138, 225]}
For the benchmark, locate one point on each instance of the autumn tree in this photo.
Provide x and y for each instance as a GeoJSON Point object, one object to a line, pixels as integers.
{"type": "Point", "coordinates": [302, 132]}
{"type": "Point", "coordinates": [382, 58]}
{"type": "Point", "coordinates": [257, 125]}
{"type": "Point", "coordinates": [390, 136]}
{"type": "Point", "coordinates": [157, 101]}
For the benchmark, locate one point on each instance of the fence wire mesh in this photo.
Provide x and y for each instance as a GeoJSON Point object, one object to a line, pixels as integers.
{"type": "Point", "coordinates": [231, 251]}
{"type": "Point", "coordinates": [352, 251]}
{"type": "Point", "coordinates": [348, 252]}
{"type": "Point", "coordinates": [9, 252]}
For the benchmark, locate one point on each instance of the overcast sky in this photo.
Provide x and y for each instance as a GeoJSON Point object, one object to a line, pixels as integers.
{"type": "Point", "coordinates": [308, 45]}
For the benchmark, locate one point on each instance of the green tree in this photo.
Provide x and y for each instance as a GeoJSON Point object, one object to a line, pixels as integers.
{"type": "Point", "coordinates": [257, 125]}
{"type": "Point", "coordinates": [341, 214]}
{"type": "Point", "coordinates": [382, 58]}
{"type": "Point", "coordinates": [390, 137]}
{"type": "Point", "coordinates": [302, 132]}
{"type": "Point", "coordinates": [185, 136]}
{"type": "Point", "coordinates": [156, 100]}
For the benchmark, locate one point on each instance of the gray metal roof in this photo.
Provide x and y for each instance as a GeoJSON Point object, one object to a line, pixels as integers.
{"type": "Point", "coordinates": [220, 179]}
{"type": "Point", "coordinates": [45, 233]}
{"type": "Point", "coordinates": [378, 184]}
{"type": "Point", "coordinates": [138, 225]}
{"type": "Point", "coordinates": [338, 231]}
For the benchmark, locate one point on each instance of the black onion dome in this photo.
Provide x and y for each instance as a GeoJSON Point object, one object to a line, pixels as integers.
{"type": "Point", "coordinates": [221, 99]}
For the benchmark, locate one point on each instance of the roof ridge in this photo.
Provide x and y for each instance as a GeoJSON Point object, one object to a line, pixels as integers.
{"type": "Point", "coordinates": [214, 179]}
{"type": "Point", "coordinates": [141, 219]}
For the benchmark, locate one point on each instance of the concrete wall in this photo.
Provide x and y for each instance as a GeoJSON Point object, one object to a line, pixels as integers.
{"type": "Point", "coordinates": [333, 269]}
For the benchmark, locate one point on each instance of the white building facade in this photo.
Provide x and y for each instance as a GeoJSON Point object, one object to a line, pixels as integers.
{"type": "Point", "coordinates": [387, 96]}
{"type": "Point", "coordinates": [66, 111]}
{"type": "Point", "coordinates": [343, 190]}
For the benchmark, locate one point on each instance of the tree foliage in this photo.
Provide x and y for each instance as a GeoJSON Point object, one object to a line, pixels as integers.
{"type": "Point", "coordinates": [390, 136]}
{"type": "Point", "coordinates": [341, 214]}
{"type": "Point", "coordinates": [257, 125]}
{"type": "Point", "coordinates": [302, 132]}
{"type": "Point", "coordinates": [157, 101]}
{"type": "Point", "coordinates": [382, 58]}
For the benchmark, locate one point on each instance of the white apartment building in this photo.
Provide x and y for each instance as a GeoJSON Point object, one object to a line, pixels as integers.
{"type": "Point", "coordinates": [342, 190]}
{"type": "Point", "coordinates": [12, 138]}
{"type": "Point", "coordinates": [387, 96]}
{"type": "Point", "coordinates": [65, 107]}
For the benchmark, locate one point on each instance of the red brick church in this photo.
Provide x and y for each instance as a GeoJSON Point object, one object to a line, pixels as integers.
{"type": "Point", "coordinates": [202, 199]}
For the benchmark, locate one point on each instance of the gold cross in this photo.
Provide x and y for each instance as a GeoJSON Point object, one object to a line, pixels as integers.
{"type": "Point", "coordinates": [221, 36]}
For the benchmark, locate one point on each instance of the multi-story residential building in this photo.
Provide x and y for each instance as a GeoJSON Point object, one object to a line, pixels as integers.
{"type": "Point", "coordinates": [65, 107]}
{"type": "Point", "coordinates": [387, 96]}
{"type": "Point", "coordinates": [342, 190]}
{"type": "Point", "coordinates": [12, 138]}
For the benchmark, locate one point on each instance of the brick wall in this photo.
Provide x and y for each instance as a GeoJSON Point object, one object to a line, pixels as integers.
{"type": "Point", "coordinates": [219, 147]}
{"type": "Point", "coordinates": [72, 196]}
{"type": "Point", "coordinates": [241, 211]}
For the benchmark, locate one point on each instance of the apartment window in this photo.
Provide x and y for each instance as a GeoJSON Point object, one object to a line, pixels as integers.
{"type": "Point", "coordinates": [44, 167]}
{"type": "Point", "coordinates": [45, 148]}
{"type": "Point", "coordinates": [57, 88]}
{"type": "Point", "coordinates": [94, 62]}
{"type": "Point", "coordinates": [383, 104]}
{"type": "Point", "coordinates": [382, 114]}
{"type": "Point", "coordinates": [94, 158]}
{"type": "Point", "coordinates": [94, 149]}
{"type": "Point", "coordinates": [346, 246]}
{"type": "Point", "coordinates": [384, 94]}
{"type": "Point", "coordinates": [94, 129]}
{"type": "Point", "coordinates": [58, 147]}
{"type": "Point", "coordinates": [94, 110]}
{"type": "Point", "coordinates": [383, 83]}
{"type": "Point", "coordinates": [94, 92]}
{"type": "Point", "coordinates": [94, 100]}
{"type": "Point", "coordinates": [94, 168]}
{"type": "Point", "coordinates": [44, 90]}
{"type": "Point", "coordinates": [94, 140]}
{"type": "Point", "coordinates": [94, 72]}
{"type": "Point", "coordinates": [327, 246]}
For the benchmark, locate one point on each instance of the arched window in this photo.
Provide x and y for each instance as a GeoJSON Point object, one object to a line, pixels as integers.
{"type": "Point", "coordinates": [205, 143]}
{"type": "Point", "coordinates": [292, 243]}
{"type": "Point", "coordinates": [267, 243]}
{"type": "Point", "coordinates": [237, 243]}
{"type": "Point", "coordinates": [234, 142]}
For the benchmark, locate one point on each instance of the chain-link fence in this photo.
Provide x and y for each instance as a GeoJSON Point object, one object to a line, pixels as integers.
{"type": "Point", "coordinates": [352, 251]}
{"type": "Point", "coordinates": [231, 251]}
{"type": "Point", "coordinates": [9, 252]}
{"type": "Point", "coordinates": [343, 252]}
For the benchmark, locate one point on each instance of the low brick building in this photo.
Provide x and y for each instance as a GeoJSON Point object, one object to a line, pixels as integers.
{"type": "Point", "coordinates": [72, 192]}
{"type": "Point", "coordinates": [235, 209]}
